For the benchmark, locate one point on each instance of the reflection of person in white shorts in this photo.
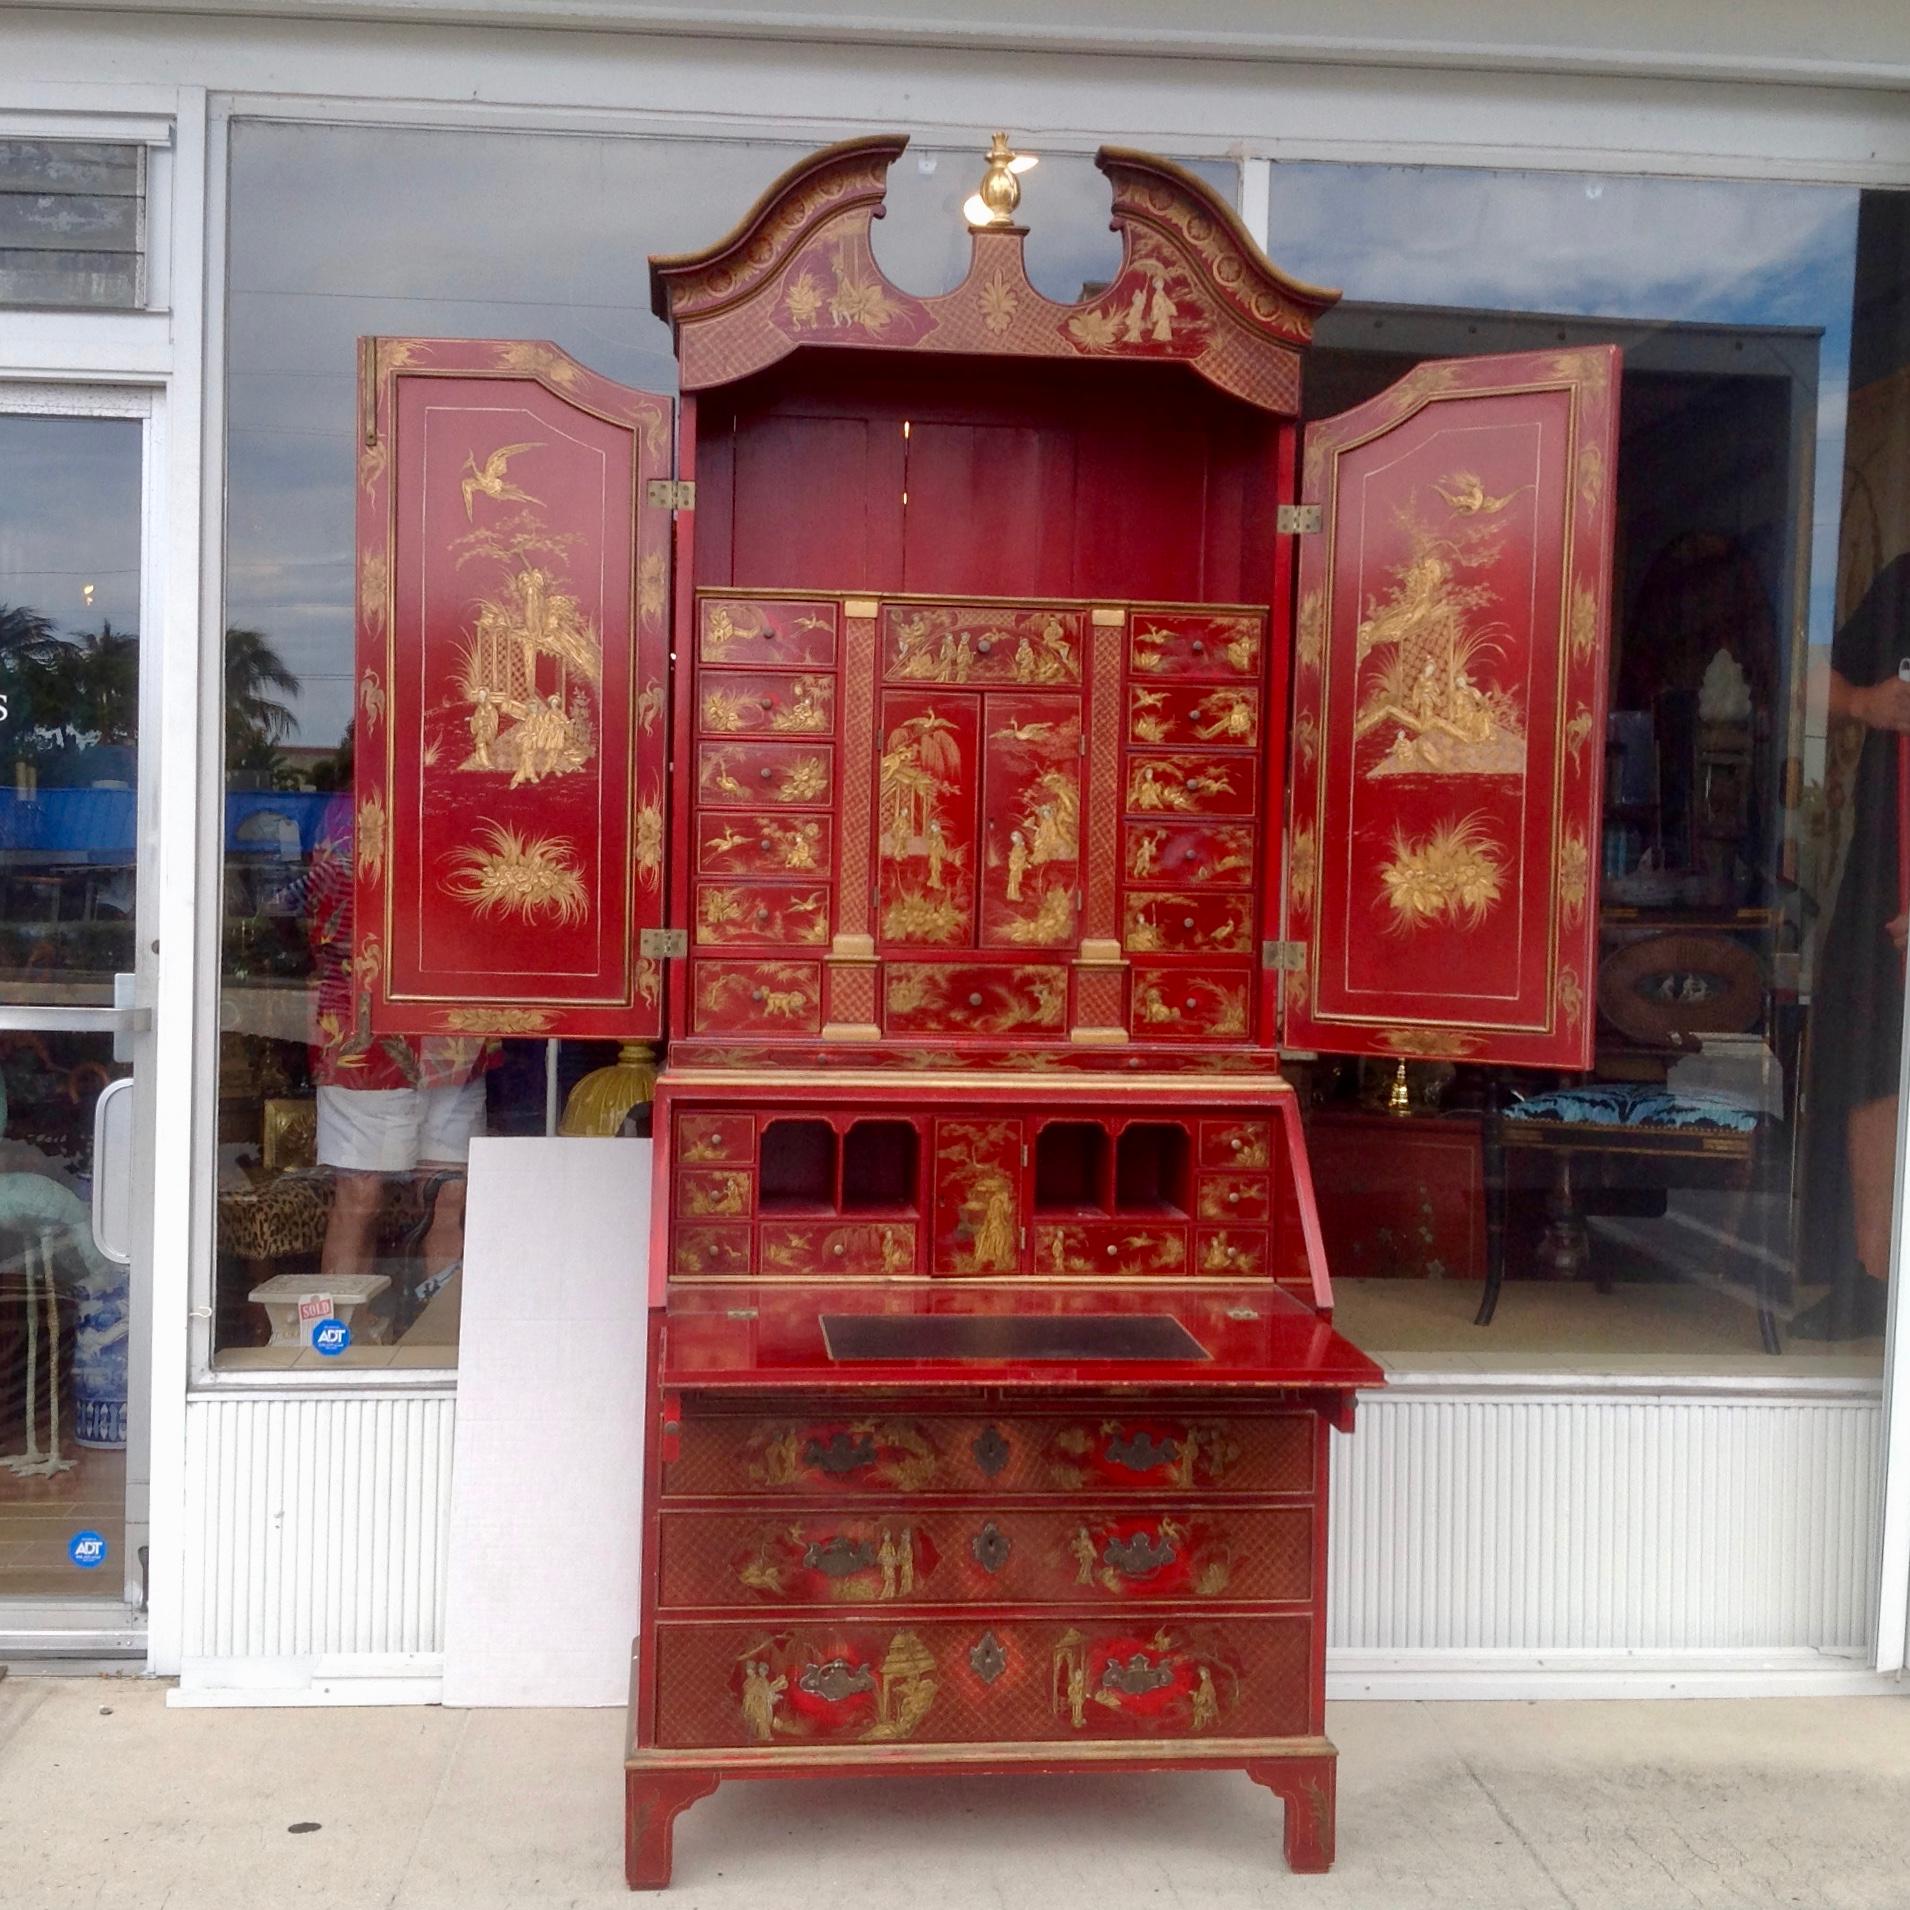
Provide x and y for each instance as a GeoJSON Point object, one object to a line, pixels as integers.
{"type": "Point", "coordinates": [397, 1130]}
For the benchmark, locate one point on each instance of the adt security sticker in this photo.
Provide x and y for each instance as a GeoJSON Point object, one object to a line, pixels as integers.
{"type": "Point", "coordinates": [331, 1337]}
{"type": "Point", "coordinates": [87, 1550]}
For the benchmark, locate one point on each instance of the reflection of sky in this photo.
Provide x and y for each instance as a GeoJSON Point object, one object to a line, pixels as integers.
{"type": "Point", "coordinates": [1722, 252]}
{"type": "Point", "coordinates": [338, 231]}
{"type": "Point", "coordinates": [69, 517]}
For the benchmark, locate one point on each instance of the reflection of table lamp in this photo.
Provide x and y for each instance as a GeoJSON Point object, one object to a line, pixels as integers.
{"type": "Point", "coordinates": [1903, 803]}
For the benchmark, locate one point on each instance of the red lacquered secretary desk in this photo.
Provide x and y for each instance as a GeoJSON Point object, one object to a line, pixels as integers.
{"type": "Point", "coordinates": [1052, 736]}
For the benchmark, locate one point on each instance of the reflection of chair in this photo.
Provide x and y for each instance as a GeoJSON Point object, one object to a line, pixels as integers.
{"type": "Point", "coordinates": [1686, 1000]}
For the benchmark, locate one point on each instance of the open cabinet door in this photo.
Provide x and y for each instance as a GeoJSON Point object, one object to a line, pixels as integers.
{"type": "Point", "coordinates": [513, 652]}
{"type": "Point", "coordinates": [1449, 714]}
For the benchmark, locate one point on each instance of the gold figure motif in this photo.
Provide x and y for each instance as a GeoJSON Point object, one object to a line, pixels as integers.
{"type": "Point", "coordinates": [769, 991]}
{"type": "Point", "coordinates": [1206, 1704]}
{"type": "Point", "coordinates": [1069, 1250]}
{"type": "Point", "coordinates": [999, 303]}
{"type": "Point", "coordinates": [652, 573]}
{"type": "Point", "coordinates": [1229, 717]}
{"type": "Point", "coordinates": [710, 1195]}
{"type": "Point", "coordinates": [740, 915]}
{"type": "Point", "coordinates": [1013, 997]}
{"type": "Point", "coordinates": [520, 876]}
{"type": "Point", "coordinates": [1424, 684]}
{"type": "Point", "coordinates": [982, 1192]}
{"type": "Point", "coordinates": [905, 1689]}
{"type": "Point", "coordinates": [530, 668]}
{"type": "Point", "coordinates": [369, 837]}
{"type": "Point", "coordinates": [1221, 1253]}
{"type": "Point", "coordinates": [857, 300]}
{"type": "Point", "coordinates": [761, 1695]}
{"type": "Point", "coordinates": [1574, 873]}
{"type": "Point", "coordinates": [1045, 834]}
{"type": "Point", "coordinates": [488, 479]}
{"type": "Point", "coordinates": [1082, 1546]}
{"type": "Point", "coordinates": [1453, 874]}
{"type": "Point", "coordinates": [1144, 933]}
{"type": "Point", "coordinates": [700, 1140]}
{"type": "Point", "coordinates": [728, 624]}
{"type": "Point", "coordinates": [1068, 1680]}
{"type": "Point", "coordinates": [953, 645]}
{"type": "Point", "coordinates": [1169, 784]}
{"type": "Point", "coordinates": [1431, 1044]}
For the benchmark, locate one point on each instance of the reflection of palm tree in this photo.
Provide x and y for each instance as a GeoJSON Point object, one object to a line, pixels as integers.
{"type": "Point", "coordinates": [256, 720]}
{"type": "Point", "coordinates": [85, 685]}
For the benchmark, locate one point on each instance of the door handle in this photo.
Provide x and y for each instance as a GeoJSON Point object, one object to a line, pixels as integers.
{"type": "Point", "coordinates": [113, 1171]}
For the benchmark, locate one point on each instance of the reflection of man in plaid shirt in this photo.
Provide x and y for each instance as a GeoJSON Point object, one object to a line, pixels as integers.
{"type": "Point", "coordinates": [387, 1104]}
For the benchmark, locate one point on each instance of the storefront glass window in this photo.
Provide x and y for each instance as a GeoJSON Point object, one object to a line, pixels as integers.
{"type": "Point", "coordinates": [1718, 1190]}
{"type": "Point", "coordinates": [340, 1163]}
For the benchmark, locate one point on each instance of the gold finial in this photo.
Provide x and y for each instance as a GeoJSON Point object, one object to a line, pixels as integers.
{"type": "Point", "coordinates": [1399, 1101]}
{"type": "Point", "coordinates": [994, 201]}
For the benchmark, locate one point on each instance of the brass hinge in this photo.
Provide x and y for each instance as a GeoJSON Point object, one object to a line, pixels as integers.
{"type": "Point", "coordinates": [664, 944]}
{"type": "Point", "coordinates": [1294, 520]}
{"type": "Point", "coordinates": [670, 494]}
{"type": "Point", "coordinates": [1284, 958]}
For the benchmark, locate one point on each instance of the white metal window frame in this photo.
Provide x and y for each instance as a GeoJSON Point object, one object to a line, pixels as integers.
{"type": "Point", "coordinates": [390, 76]}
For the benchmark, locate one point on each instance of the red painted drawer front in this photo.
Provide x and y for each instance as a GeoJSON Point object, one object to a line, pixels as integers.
{"type": "Point", "coordinates": [1175, 1004]}
{"type": "Point", "coordinates": [702, 1192]}
{"type": "Point", "coordinates": [1225, 716]}
{"type": "Point", "coordinates": [1191, 785]}
{"type": "Point", "coordinates": [738, 775]}
{"type": "Point", "coordinates": [734, 703]}
{"type": "Point", "coordinates": [1247, 1145]}
{"type": "Point", "coordinates": [1235, 1253]}
{"type": "Point", "coordinates": [1162, 644]}
{"type": "Point", "coordinates": [819, 1247]}
{"type": "Point", "coordinates": [1247, 1198]}
{"type": "Point", "coordinates": [1175, 922]}
{"type": "Point", "coordinates": [714, 1137]}
{"type": "Point", "coordinates": [1066, 1556]}
{"type": "Point", "coordinates": [977, 1178]}
{"type": "Point", "coordinates": [1216, 853]}
{"type": "Point", "coordinates": [746, 631]}
{"type": "Point", "coordinates": [925, 998]}
{"type": "Point", "coordinates": [1111, 1247]}
{"type": "Point", "coordinates": [982, 644]}
{"type": "Point", "coordinates": [707, 1250]}
{"type": "Point", "coordinates": [854, 1452]}
{"type": "Point", "coordinates": [972, 1681]}
{"type": "Point", "coordinates": [777, 915]}
{"type": "Point", "coordinates": [774, 998]}
{"type": "Point", "coordinates": [764, 845]}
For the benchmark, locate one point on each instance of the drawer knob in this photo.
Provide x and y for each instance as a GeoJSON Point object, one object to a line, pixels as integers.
{"type": "Point", "coordinates": [1112, 1250]}
{"type": "Point", "coordinates": [1233, 1197]}
{"type": "Point", "coordinates": [1200, 649]}
{"type": "Point", "coordinates": [762, 842]}
{"type": "Point", "coordinates": [1187, 921]}
{"type": "Point", "coordinates": [838, 1250]}
{"type": "Point", "coordinates": [1236, 1143]}
{"type": "Point", "coordinates": [764, 774]}
{"type": "Point", "coordinates": [755, 994]}
{"type": "Point", "coordinates": [762, 915]}
{"type": "Point", "coordinates": [983, 647]}
{"type": "Point", "coordinates": [1188, 1004]}
{"type": "Point", "coordinates": [835, 1680]}
{"type": "Point", "coordinates": [975, 1000]}
{"type": "Point", "coordinates": [990, 1547]}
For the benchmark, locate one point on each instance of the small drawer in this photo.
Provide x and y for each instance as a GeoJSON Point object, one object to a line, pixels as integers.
{"type": "Point", "coordinates": [704, 1193]}
{"type": "Point", "coordinates": [1218, 854]}
{"type": "Point", "coordinates": [702, 1138]}
{"type": "Point", "coordinates": [710, 1250]}
{"type": "Point", "coordinates": [818, 1247]}
{"type": "Point", "coordinates": [770, 635]}
{"type": "Point", "coordinates": [736, 703]}
{"type": "Point", "coordinates": [1245, 1199]}
{"type": "Point", "coordinates": [1109, 1247]}
{"type": "Point", "coordinates": [771, 998]}
{"type": "Point", "coordinates": [846, 1452]}
{"type": "Point", "coordinates": [1067, 1555]}
{"type": "Point", "coordinates": [884, 1677]}
{"type": "Point", "coordinates": [1230, 1253]}
{"type": "Point", "coordinates": [762, 915]}
{"type": "Point", "coordinates": [1247, 1145]}
{"type": "Point", "coordinates": [765, 845]}
{"type": "Point", "coordinates": [1182, 644]}
{"type": "Point", "coordinates": [1034, 646]}
{"type": "Point", "coordinates": [1199, 1004]}
{"type": "Point", "coordinates": [1177, 922]}
{"type": "Point", "coordinates": [1192, 785]}
{"type": "Point", "coordinates": [974, 999]}
{"type": "Point", "coordinates": [740, 775]}
{"type": "Point", "coordinates": [1223, 715]}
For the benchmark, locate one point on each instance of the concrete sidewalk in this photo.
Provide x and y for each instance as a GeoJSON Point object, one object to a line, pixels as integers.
{"type": "Point", "coordinates": [109, 1799]}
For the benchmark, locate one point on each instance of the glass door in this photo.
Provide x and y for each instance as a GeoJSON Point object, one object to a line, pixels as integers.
{"type": "Point", "coordinates": [72, 1420]}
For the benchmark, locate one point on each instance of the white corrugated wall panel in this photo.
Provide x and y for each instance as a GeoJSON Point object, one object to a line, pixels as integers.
{"type": "Point", "coordinates": [316, 1525]}
{"type": "Point", "coordinates": [1604, 1523]}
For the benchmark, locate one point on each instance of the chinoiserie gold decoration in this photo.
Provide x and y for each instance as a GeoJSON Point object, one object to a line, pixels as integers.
{"type": "Point", "coordinates": [1571, 996]}
{"type": "Point", "coordinates": [1430, 1043]}
{"type": "Point", "coordinates": [519, 875]}
{"type": "Point", "coordinates": [374, 582]}
{"type": "Point", "coordinates": [490, 478]}
{"type": "Point", "coordinates": [1575, 863]}
{"type": "Point", "coordinates": [1311, 645]}
{"type": "Point", "coordinates": [1455, 873]}
{"type": "Point", "coordinates": [369, 837]}
{"type": "Point", "coordinates": [651, 574]}
{"type": "Point", "coordinates": [1302, 868]}
{"type": "Point", "coordinates": [497, 1021]}
{"type": "Point", "coordinates": [993, 202]}
{"type": "Point", "coordinates": [602, 1100]}
{"type": "Point", "coordinates": [1584, 627]}
{"type": "Point", "coordinates": [1398, 1099]}
{"type": "Point", "coordinates": [371, 701]}
{"type": "Point", "coordinates": [1578, 730]}
{"type": "Point", "coordinates": [647, 848]}
{"type": "Point", "coordinates": [1591, 475]}
{"type": "Point", "coordinates": [999, 302]}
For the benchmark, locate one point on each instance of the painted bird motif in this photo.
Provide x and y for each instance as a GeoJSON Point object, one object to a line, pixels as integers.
{"type": "Point", "coordinates": [1468, 495]}
{"type": "Point", "coordinates": [490, 479]}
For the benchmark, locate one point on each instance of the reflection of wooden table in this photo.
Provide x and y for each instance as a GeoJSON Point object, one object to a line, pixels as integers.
{"type": "Point", "coordinates": [1401, 1195]}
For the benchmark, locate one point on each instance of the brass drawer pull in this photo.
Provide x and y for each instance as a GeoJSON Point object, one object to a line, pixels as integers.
{"type": "Point", "coordinates": [839, 1557]}
{"type": "Point", "coordinates": [1140, 1555]}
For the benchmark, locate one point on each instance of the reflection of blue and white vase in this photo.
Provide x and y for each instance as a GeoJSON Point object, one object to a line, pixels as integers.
{"type": "Point", "coordinates": [99, 1353]}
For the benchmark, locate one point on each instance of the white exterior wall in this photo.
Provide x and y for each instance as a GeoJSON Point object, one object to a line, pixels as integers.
{"type": "Point", "coordinates": [298, 1530]}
